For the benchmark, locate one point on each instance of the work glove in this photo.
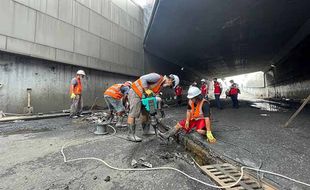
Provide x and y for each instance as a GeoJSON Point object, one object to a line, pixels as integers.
{"type": "Point", "coordinates": [148, 92]}
{"type": "Point", "coordinates": [72, 96]}
{"type": "Point", "coordinates": [210, 137]}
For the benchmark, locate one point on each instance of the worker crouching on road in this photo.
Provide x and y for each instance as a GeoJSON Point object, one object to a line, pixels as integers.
{"type": "Point", "coordinates": [76, 89]}
{"type": "Point", "coordinates": [115, 97]}
{"type": "Point", "coordinates": [147, 84]}
{"type": "Point", "coordinates": [198, 115]}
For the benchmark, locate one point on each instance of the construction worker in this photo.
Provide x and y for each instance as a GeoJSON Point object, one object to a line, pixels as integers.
{"type": "Point", "coordinates": [178, 93]}
{"type": "Point", "coordinates": [146, 85]}
{"type": "Point", "coordinates": [76, 89]}
{"type": "Point", "coordinates": [204, 88]}
{"type": "Point", "coordinates": [197, 116]}
{"type": "Point", "coordinates": [233, 93]}
{"type": "Point", "coordinates": [194, 84]}
{"type": "Point", "coordinates": [115, 96]}
{"type": "Point", "coordinates": [217, 92]}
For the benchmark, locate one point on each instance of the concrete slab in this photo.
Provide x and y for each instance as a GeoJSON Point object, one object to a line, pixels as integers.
{"type": "Point", "coordinates": [66, 10]}
{"type": "Point", "coordinates": [81, 16]}
{"type": "Point", "coordinates": [108, 51]}
{"type": "Point", "coordinates": [52, 8]}
{"type": "Point", "coordinates": [246, 137]}
{"type": "Point", "coordinates": [43, 52]}
{"type": "Point", "coordinates": [6, 17]}
{"type": "Point", "coordinates": [84, 2]}
{"type": "Point", "coordinates": [106, 8]}
{"type": "Point", "coordinates": [80, 60]}
{"type": "Point", "coordinates": [19, 46]}
{"type": "Point", "coordinates": [95, 5]}
{"type": "Point", "coordinates": [2, 42]}
{"type": "Point", "coordinates": [24, 22]}
{"type": "Point", "coordinates": [54, 33]}
{"type": "Point", "coordinates": [64, 56]}
{"type": "Point", "coordinates": [86, 43]}
{"type": "Point", "coordinates": [115, 13]}
{"type": "Point", "coordinates": [31, 158]}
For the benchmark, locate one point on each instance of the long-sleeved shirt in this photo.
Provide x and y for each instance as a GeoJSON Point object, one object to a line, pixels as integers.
{"type": "Point", "coordinates": [149, 79]}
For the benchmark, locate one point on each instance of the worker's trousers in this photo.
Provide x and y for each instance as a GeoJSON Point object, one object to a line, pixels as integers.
{"type": "Point", "coordinates": [76, 106]}
{"type": "Point", "coordinates": [218, 101]}
{"type": "Point", "coordinates": [234, 99]}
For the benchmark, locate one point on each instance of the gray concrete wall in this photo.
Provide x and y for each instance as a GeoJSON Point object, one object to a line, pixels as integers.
{"type": "Point", "coordinates": [104, 35]}
{"type": "Point", "coordinates": [49, 81]}
{"type": "Point", "coordinates": [44, 42]}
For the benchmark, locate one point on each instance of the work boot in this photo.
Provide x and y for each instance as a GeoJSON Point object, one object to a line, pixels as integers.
{"type": "Point", "coordinates": [122, 122]}
{"type": "Point", "coordinates": [147, 129]}
{"type": "Point", "coordinates": [131, 134]}
{"type": "Point", "coordinates": [162, 114]}
{"type": "Point", "coordinates": [119, 122]}
{"type": "Point", "coordinates": [168, 134]}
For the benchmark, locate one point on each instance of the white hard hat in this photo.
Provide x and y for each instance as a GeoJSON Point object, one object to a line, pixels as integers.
{"type": "Point", "coordinates": [80, 72]}
{"type": "Point", "coordinates": [203, 80]}
{"type": "Point", "coordinates": [128, 83]}
{"type": "Point", "coordinates": [193, 91]}
{"type": "Point", "coordinates": [176, 80]}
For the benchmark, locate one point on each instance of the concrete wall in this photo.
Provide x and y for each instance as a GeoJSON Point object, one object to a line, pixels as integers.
{"type": "Point", "coordinates": [44, 42]}
{"type": "Point", "coordinates": [49, 81]}
{"type": "Point", "coordinates": [104, 35]}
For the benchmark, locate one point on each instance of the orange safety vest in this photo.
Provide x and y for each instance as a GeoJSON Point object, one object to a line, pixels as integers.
{"type": "Point", "coordinates": [114, 91]}
{"type": "Point", "coordinates": [137, 86]}
{"type": "Point", "coordinates": [196, 111]}
{"type": "Point", "coordinates": [77, 89]}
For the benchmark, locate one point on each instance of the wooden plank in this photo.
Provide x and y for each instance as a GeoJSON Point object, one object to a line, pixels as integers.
{"type": "Point", "coordinates": [297, 112]}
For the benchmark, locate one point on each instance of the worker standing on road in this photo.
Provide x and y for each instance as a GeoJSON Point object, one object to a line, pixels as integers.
{"type": "Point", "coordinates": [217, 92]}
{"type": "Point", "coordinates": [76, 89]}
{"type": "Point", "coordinates": [178, 93]}
{"type": "Point", "coordinates": [198, 115]}
{"type": "Point", "coordinates": [193, 84]}
{"type": "Point", "coordinates": [115, 97]}
{"type": "Point", "coordinates": [147, 84]}
{"type": "Point", "coordinates": [233, 93]}
{"type": "Point", "coordinates": [204, 88]}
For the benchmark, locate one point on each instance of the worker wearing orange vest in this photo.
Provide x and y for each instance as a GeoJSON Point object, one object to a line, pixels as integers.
{"type": "Point", "coordinates": [115, 97]}
{"type": "Point", "coordinates": [197, 116]}
{"type": "Point", "coordinates": [147, 84]}
{"type": "Point", "coordinates": [76, 89]}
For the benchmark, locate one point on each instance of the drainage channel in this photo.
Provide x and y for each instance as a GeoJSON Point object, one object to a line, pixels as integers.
{"type": "Point", "coordinates": [219, 170]}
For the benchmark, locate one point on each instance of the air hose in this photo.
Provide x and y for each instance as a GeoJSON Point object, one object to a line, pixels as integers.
{"type": "Point", "coordinates": [175, 169]}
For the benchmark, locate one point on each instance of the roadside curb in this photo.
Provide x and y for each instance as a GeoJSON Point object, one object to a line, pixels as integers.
{"type": "Point", "coordinates": [205, 155]}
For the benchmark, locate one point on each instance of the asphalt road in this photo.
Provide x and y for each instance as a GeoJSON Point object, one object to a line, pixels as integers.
{"type": "Point", "coordinates": [31, 158]}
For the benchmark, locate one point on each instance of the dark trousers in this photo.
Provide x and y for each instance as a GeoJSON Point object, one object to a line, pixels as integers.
{"type": "Point", "coordinates": [217, 100]}
{"type": "Point", "coordinates": [234, 99]}
{"type": "Point", "coordinates": [179, 100]}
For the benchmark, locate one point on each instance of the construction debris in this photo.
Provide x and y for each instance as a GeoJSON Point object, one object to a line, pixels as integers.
{"type": "Point", "coordinates": [107, 179]}
{"type": "Point", "coordinates": [141, 162]}
{"type": "Point", "coordinates": [134, 163]}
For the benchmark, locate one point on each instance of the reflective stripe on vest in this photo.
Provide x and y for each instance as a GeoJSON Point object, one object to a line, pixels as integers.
{"type": "Point", "coordinates": [196, 111]}
{"type": "Point", "coordinates": [233, 89]}
{"type": "Point", "coordinates": [217, 88]}
{"type": "Point", "coordinates": [77, 89]}
{"type": "Point", "coordinates": [114, 91]}
{"type": "Point", "coordinates": [137, 86]}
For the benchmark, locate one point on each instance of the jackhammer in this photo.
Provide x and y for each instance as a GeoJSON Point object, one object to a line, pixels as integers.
{"type": "Point", "coordinates": [151, 105]}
